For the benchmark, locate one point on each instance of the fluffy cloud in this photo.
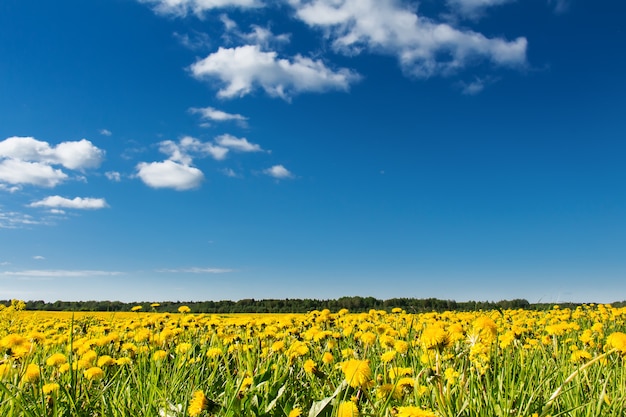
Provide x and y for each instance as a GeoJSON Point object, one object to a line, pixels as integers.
{"type": "Point", "coordinates": [279, 172]}
{"type": "Point", "coordinates": [181, 8]}
{"type": "Point", "coordinates": [188, 146]}
{"type": "Point", "coordinates": [113, 176]}
{"type": "Point", "coordinates": [15, 171]}
{"type": "Point", "coordinates": [238, 144]}
{"type": "Point", "coordinates": [73, 155]}
{"type": "Point", "coordinates": [26, 160]}
{"type": "Point", "coordinates": [473, 8]}
{"type": "Point", "coordinates": [210, 113]}
{"type": "Point", "coordinates": [56, 201]}
{"type": "Point", "coordinates": [169, 174]}
{"type": "Point", "coordinates": [423, 47]}
{"type": "Point", "coordinates": [177, 171]}
{"type": "Point", "coordinates": [246, 67]}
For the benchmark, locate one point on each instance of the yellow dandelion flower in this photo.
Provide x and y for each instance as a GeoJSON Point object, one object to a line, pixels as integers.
{"type": "Point", "coordinates": [56, 359]}
{"type": "Point", "coordinates": [412, 411]}
{"type": "Point", "coordinates": [396, 372]}
{"type": "Point", "coordinates": [451, 376]}
{"type": "Point", "coordinates": [197, 404]}
{"type": "Point", "coordinates": [388, 356]}
{"type": "Point", "coordinates": [159, 355]}
{"type": "Point", "coordinates": [617, 341]}
{"type": "Point", "coordinates": [105, 360]}
{"type": "Point", "coordinates": [357, 372]}
{"type": "Point", "coordinates": [183, 348]}
{"type": "Point", "coordinates": [401, 346]}
{"type": "Point", "coordinates": [123, 361]}
{"type": "Point", "coordinates": [213, 352]}
{"type": "Point", "coordinates": [50, 388]}
{"type": "Point", "coordinates": [5, 370]}
{"type": "Point", "coordinates": [406, 382]}
{"type": "Point", "coordinates": [435, 337]}
{"type": "Point", "coordinates": [384, 391]}
{"type": "Point", "coordinates": [296, 412]}
{"type": "Point", "coordinates": [368, 338]}
{"type": "Point", "coordinates": [278, 346]}
{"type": "Point", "coordinates": [327, 358]}
{"type": "Point", "coordinates": [94, 373]}
{"type": "Point", "coordinates": [246, 383]}
{"type": "Point", "coordinates": [309, 366]}
{"type": "Point", "coordinates": [580, 356]}
{"type": "Point", "coordinates": [347, 409]}
{"type": "Point", "coordinates": [32, 373]}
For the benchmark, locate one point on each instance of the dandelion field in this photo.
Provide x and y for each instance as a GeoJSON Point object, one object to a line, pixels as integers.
{"type": "Point", "coordinates": [518, 363]}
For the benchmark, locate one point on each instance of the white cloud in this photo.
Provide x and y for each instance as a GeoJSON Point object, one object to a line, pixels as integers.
{"type": "Point", "coordinates": [188, 146]}
{"type": "Point", "coordinates": [73, 155]}
{"type": "Point", "coordinates": [181, 8]}
{"type": "Point", "coordinates": [229, 172]}
{"type": "Point", "coordinates": [258, 35]}
{"type": "Point", "coordinates": [26, 160]}
{"type": "Point", "coordinates": [263, 37]}
{"type": "Point", "coordinates": [195, 42]}
{"type": "Point", "coordinates": [211, 113]}
{"type": "Point", "coordinates": [15, 171]}
{"type": "Point", "coordinates": [39, 257]}
{"type": "Point", "coordinates": [560, 6]}
{"type": "Point", "coordinates": [56, 201]}
{"type": "Point", "coordinates": [196, 270]}
{"type": "Point", "coordinates": [238, 144]}
{"type": "Point", "coordinates": [59, 273]}
{"type": "Point", "coordinates": [113, 176]}
{"type": "Point", "coordinates": [169, 174]}
{"type": "Point", "coordinates": [247, 67]}
{"type": "Point", "coordinates": [14, 220]}
{"type": "Point", "coordinates": [474, 8]}
{"type": "Point", "coordinates": [278, 171]}
{"type": "Point", "coordinates": [105, 132]}
{"type": "Point", "coordinates": [476, 86]}
{"type": "Point", "coordinates": [422, 46]}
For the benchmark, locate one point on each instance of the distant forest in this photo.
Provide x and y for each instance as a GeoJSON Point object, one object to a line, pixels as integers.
{"type": "Point", "coordinates": [250, 305]}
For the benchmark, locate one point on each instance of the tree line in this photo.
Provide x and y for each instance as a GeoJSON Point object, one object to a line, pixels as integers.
{"type": "Point", "coordinates": [250, 305]}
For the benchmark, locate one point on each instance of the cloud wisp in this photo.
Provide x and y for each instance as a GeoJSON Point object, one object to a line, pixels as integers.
{"type": "Point", "coordinates": [79, 203]}
{"type": "Point", "coordinates": [215, 115]}
{"type": "Point", "coordinates": [423, 47]}
{"type": "Point", "coordinates": [59, 273]}
{"type": "Point", "coordinates": [196, 270]}
{"type": "Point", "coordinates": [182, 8]}
{"type": "Point", "coordinates": [278, 172]}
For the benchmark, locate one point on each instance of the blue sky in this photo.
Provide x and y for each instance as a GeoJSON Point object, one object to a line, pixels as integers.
{"type": "Point", "coordinates": [226, 149]}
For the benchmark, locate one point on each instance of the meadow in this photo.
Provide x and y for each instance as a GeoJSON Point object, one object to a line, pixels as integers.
{"type": "Point", "coordinates": [513, 363]}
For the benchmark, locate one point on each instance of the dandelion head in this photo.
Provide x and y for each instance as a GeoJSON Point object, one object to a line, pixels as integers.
{"type": "Point", "coordinates": [94, 373]}
{"type": "Point", "coordinates": [32, 373]}
{"type": "Point", "coordinates": [357, 372]}
{"type": "Point", "coordinates": [412, 411]}
{"type": "Point", "coordinates": [197, 404]}
{"type": "Point", "coordinates": [347, 409]}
